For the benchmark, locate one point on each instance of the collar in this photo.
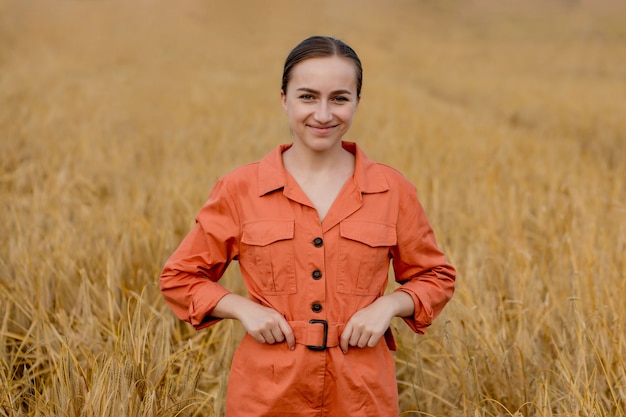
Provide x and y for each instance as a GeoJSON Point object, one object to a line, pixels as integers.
{"type": "Point", "coordinates": [368, 175]}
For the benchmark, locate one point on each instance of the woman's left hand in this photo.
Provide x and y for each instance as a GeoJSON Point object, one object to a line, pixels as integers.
{"type": "Point", "coordinates": [368, 325]}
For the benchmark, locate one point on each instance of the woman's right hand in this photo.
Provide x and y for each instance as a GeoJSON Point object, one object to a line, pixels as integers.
{"type": "Point", "coordinates": [264, 324]}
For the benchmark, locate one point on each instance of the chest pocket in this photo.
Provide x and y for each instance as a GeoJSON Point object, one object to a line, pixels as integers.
{"type": "Point", "coordinates": [364, 257]}
{"type": "Point", "coordinates": [268, 254]}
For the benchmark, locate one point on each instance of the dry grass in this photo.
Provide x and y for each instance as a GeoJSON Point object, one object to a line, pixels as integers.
{"type": "Point", "coordinates": [117, 117]}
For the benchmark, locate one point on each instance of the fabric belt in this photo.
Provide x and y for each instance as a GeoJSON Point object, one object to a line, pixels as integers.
{"type": "Point", "coordinates": [317, 334]}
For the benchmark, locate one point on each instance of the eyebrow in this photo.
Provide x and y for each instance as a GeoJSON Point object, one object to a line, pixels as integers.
{"type": "Point", "coordinates": [310, 90]}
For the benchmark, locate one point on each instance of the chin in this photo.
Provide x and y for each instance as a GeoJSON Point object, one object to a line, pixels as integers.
{"type": "Point", "coordinates": [322, 144]}
{"type": "Point", "coordinates": [321, 148]}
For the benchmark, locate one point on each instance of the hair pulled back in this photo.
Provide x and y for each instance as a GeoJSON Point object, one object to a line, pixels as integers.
{"type": "Point", "coordinates": [321, 47]}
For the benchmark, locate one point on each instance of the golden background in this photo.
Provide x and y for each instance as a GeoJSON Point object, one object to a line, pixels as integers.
{"type": "Point", "coordinates": [116, 118]}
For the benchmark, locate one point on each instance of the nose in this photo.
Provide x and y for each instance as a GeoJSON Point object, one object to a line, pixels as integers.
{"type": "Point", "coordinates": [323, 113]}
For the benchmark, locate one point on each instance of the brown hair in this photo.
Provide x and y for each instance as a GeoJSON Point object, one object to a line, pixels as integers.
{"type": "Point", "coordinates": [321, 47]}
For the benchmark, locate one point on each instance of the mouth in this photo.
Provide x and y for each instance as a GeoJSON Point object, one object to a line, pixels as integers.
{"type": "Point", "coordinates": [322, 130]}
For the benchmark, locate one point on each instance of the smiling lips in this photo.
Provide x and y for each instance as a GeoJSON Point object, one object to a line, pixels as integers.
{"type": "Point", "coordinates": [322, 130]}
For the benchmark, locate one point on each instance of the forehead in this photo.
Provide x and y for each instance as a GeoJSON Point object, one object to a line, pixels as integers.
{"type": "Point", "coordinates": [332, 72]}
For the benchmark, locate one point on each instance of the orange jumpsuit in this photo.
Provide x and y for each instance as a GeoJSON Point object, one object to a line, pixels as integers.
{"type": "Point", "coordinates": [317, 274]}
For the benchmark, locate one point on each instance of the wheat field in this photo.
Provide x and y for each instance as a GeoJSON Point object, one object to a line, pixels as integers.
{"type": "Point", "coordinates": [116, 118]}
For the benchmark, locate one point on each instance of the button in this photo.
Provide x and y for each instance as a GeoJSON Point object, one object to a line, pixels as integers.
{"type": "Point", "coordinates": [318, 242]}
{"type": "Point", "coordinates": [317, 274]}
{"type": "Point", "coordinates": [316, 307]}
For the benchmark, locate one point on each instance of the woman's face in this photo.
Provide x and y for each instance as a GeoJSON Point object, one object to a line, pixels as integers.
{"type": "Point", "coordinates": [320, 101]}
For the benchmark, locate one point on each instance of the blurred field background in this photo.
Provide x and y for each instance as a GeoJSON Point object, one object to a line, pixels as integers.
{"type": "Point", "coordinates": [116, 118]}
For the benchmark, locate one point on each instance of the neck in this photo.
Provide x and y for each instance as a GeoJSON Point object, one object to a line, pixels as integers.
{"type": "Point", "coordinates": [303, 159]}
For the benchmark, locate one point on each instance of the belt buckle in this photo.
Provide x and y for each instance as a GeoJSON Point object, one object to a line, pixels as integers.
{"type": "Point", "coordinates": [323, 345]}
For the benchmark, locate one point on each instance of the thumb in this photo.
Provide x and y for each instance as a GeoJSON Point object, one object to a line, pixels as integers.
{"type": "Point", "coordinates": [344, 340]}
{"type": "Point", "coordinates": [290, 338]}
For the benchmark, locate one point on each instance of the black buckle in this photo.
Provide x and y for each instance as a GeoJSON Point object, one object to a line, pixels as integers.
{"type": "Point", "coordinates": [323, 345]}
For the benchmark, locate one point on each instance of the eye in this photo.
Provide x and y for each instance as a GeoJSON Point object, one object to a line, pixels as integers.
{"type": "Point", "coordinates": [306, 97]}
{"type": "Point", "coordinates": [341, 99]}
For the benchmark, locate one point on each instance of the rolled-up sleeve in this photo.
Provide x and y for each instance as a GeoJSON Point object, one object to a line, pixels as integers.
{"type": "Point", "coordinates": [189, 280]}
{"type": "Point", "coordinates": [419, 265]}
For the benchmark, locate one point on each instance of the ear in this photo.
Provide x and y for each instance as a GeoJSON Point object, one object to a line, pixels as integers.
{"type": "Point", "coordinates": [283, 99]}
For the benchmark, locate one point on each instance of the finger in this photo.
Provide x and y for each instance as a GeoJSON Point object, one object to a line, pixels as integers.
{"type": "Point", "coordinates": [288, 333]}
{"type": "Point", "coordinates": [373, 340]}
{"type": "Point", "coordinates": [365, 337]}
{"type": "Point", "coordinates": [277, 333]}
{"type": "Point", "coordinates": [355, 337]}
{"type": "Point", "coordinates": [344, 340]}
{"type": "Point", "coordinates": [269, 337]}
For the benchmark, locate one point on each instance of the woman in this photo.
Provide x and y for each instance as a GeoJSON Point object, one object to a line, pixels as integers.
{"type": "Point", "coordinates": [314, 226]}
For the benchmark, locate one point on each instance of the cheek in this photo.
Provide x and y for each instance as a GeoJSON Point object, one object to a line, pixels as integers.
{"type": "Point", "coordinates": [296, 113]}
{"type": "Point", "coordinates": [347, 113]}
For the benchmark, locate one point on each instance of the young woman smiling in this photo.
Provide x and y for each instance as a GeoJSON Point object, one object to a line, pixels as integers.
{"type": "Point", "coordinates": [314, 226]}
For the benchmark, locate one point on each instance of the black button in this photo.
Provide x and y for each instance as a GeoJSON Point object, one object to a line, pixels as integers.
{"type": "Point", "coordinates": [317, 274]}
{"type": "Point", "coordinates": [318, 242]}
{"type": "Point", "coordinates": [316, 307]}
